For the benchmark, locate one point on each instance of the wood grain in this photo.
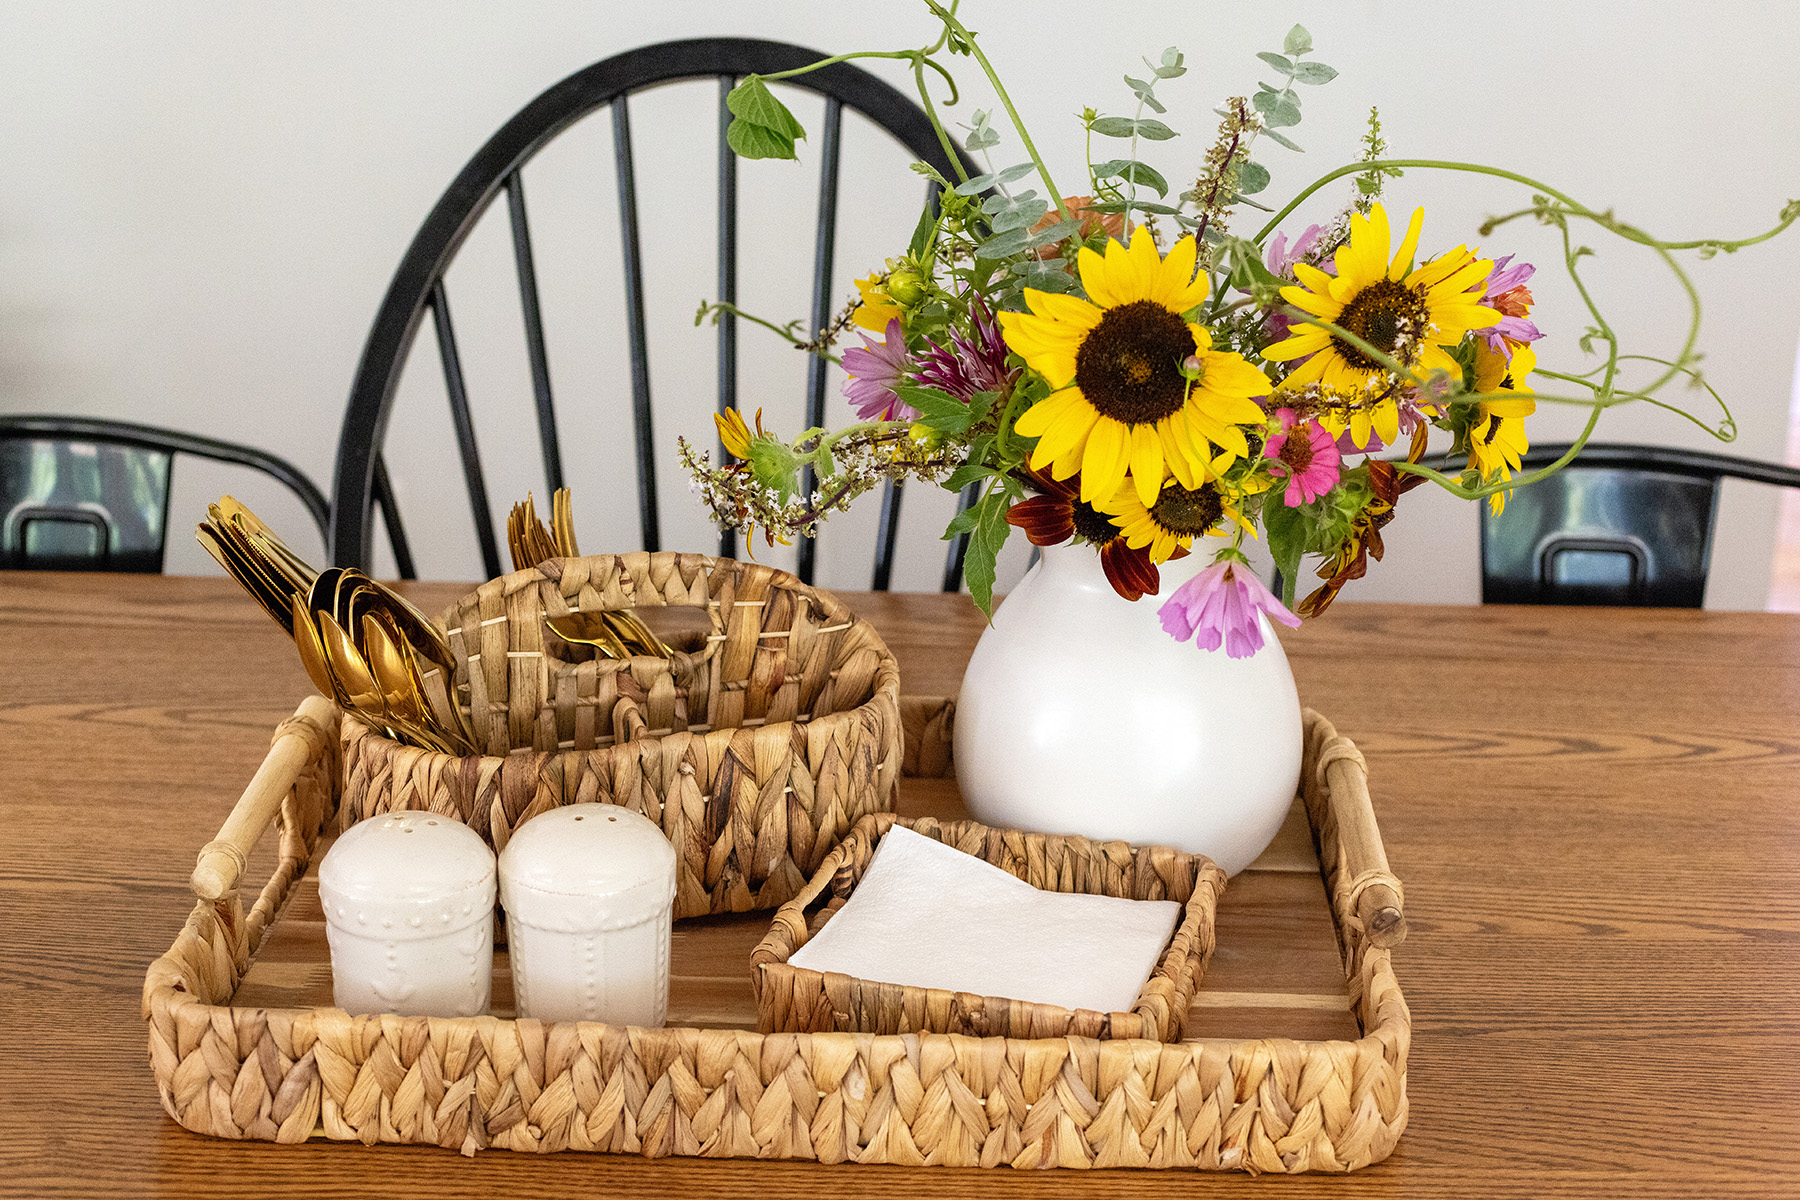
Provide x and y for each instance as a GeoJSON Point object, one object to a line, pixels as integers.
{"type": "Point", "coordinates": [1593, 812]}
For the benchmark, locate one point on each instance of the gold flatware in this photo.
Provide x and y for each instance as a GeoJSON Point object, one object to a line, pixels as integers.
{"type": "Point", "coordinates": [527, 539]}
{"type": "Point", "coordinates": [361, 642]}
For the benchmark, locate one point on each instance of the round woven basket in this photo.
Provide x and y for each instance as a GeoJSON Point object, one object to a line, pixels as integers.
{"type": "Point", "coordinates": [755, 754]}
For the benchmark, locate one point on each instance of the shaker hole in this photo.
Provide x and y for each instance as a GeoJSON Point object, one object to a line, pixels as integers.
{"type": "Point", "coordinates": [580, 818]}
{"type": "Point", "coordinates": [612, 818]}
{"type": "Point", "coordinates": [431, 822]}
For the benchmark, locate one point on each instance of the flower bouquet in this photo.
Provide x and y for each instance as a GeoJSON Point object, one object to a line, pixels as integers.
{"type": "Point", "coordinates": [1138, 373]}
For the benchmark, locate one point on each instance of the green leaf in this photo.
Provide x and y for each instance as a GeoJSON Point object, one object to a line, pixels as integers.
{"type": "Point", "coordinates": [1251, 178]}
{"type": "Point", "coordinates": [1046, 275]}
{"type": "Point", "coordinates": [943, 412]}
{"type": "Point", "coordinates": [1124, 127]}
{"type": "Point", "coordinates": [1119, 206]}
{"type": "Point", "coordinates": [963, 476]}
{"type": "Point", "coordinates": [1014, 212]}
{"type": "Point", "coordinates": [1298, 41]}
{"type": "Point", "coordinates": [757, 141]}
{"type": "Point", "coordinates": [1279, 140]}
{"type": "Point", "coordinates": [1276, 109]}
{"type": "Point", "coordinates": [1284, 65]}
{"type": "Point", "coordinates": [762, 126]}
{"type": "Point", "coordinates": [1133, 171]}
{"type": "Point", "coordinates": [1314, 73]}
{"type": "Point", "coordinates": [983, 135]}
{"type": "Point", "coordinates": [987, 534]}
{"type": "Point", "coordinates": [1287, 530]}
{"type": "Point", "coordinates": [922, 232]}
{"type": "Point", "coordinates": [1170, 67]}
{"type": "Point", "coordinates": [1051, 234]}
{"type": "Point", "coordinates": [1145, 92]}
{"type": "Point", "coordinates": [1004, 245]}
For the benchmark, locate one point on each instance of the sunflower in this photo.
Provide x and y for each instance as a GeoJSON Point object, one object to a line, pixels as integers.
{"type": "Point", "coordinates": [1169, 526]}
{"type": "Point", "coordinates": [1497, 437]}
{"type": "Point", "coordinates": [1409, 315]}
{"type": "Point", "coordinates": [1139, 388]}
{"type": "Point", "coordinates": [1058, 514]}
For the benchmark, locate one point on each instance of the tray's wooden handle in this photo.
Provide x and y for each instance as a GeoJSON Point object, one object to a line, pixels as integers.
{"type": "Point", "coordinates": [220, 867]}
{"type": "Point", "coordinates": [1374, 891]}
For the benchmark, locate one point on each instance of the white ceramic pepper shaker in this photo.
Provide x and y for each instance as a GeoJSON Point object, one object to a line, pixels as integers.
{"type": "Point", "coordinates": [409, 914]}
{"type": "Point", "coordinates": [589, 893]}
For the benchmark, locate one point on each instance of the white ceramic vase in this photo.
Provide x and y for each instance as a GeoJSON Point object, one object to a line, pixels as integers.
{"type": "Point", "coordinates": [1080, 714]}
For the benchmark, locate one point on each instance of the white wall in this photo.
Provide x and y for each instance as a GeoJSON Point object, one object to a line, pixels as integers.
{"type": "Point", "coordinates": [201, 205]}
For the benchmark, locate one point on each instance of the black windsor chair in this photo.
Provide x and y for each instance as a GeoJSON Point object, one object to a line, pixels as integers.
{"type": "Point", "coordinates": [362, 483]}
{"type": "Point", "coordinates": [84, 494]}
{"type": "Point", "coordinates": [1620, 525]}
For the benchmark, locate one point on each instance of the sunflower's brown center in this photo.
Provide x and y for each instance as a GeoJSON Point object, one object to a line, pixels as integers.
{"type": "Point", "coordinates": [1129, 365]}
{"type": "Point", "coordinates": [1092, 525]}
{"type": "Point", "coordinates": [1390, 317]}
{"type": "Point", "coordinates": [1493, 430]}
{"type": "Point", "coordinates": [1296, 451]}
{"type": "Point", "coordinates": [1188, 511]}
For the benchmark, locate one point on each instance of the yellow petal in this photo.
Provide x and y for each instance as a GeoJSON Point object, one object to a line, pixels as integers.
{"type": "Point", "coordinates": [1146, 462]}
{"type": "Point", "coordinates": [1103, 462]}
{"type": "Point", "coordinates": [1202, 337]}
{"type": "Point", "coordinates": [1387, 422]}
{"type": "Point", "coordinates": [1068, 432]}
{"type": "Point", "coordinates": [1305, 342]}
{"type": "Point", "coordinates": [1314, 279]}
{"type": "Point", "coordinates": [1069, 310]}
{"type": "Point", "coordinates": [1409, 245]}
{"type": "Point", "coordinates": [1097, 279]}
{"type": "Point", "coordinates": [1177, 287]}
{"type": "Point", "coordinates": [1173, 432]}
{"type": "Point", "coordinates": [1040, 416]}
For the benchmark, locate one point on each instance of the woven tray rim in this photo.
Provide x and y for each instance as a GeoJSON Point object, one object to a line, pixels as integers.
{"type": "Point", "coordinates": [217, 943]}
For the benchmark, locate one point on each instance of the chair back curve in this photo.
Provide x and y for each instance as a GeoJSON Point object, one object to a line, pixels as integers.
{"type": "Point", "coordinates": [362, 486]}
{"type": "Point", "coordinates": [91, 494]}
{"type": "Point", "coordinates": [1620, 525]}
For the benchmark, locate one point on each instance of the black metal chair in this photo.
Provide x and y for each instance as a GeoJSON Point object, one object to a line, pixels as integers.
{"type": "Point", "coordinates": [83, 494]}
{"type": "Point", "coordinates": [1621, 525]}
{"type": "Point", "coordinates": [418, 286]}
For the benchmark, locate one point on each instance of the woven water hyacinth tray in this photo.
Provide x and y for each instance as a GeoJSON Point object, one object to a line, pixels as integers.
{"type": "Point", "coordinates": [1295, 1058]}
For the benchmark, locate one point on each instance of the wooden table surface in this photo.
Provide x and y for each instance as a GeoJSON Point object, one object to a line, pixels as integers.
{"type": "Point", "coordinates": [1596, 815]}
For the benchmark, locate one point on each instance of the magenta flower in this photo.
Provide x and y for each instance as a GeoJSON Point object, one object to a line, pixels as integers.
{"type": "Point", "coordinates": [971, 363]}
{"type": "Point", "coordinates": [875, 370]}
{"type": "Point", "coordinates": [1505, 290]}
{"type": "Point", "coordinates": [1220, 605]}
{"type": "Point", "coordinates": [1306, 456]}
{"type": "Point", "coordinates": [1282, 257]}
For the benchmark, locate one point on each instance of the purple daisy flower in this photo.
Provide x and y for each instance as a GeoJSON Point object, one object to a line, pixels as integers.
{"type": "Point", "coordinates": [971, 363]}
{"type": "Point", "coordinates": [1506, 291]}
{"type": "Point", "coordinates": [1220, 606]}
{"type": "Point", "coordinates": [875, 370]}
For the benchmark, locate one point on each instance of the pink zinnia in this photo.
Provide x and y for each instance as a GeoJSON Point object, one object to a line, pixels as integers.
{"type": "Point", "coordinates": [1306, 456]}
{"type": "Point", "coordinates": [1221, 604]}
{"type": "Point", "coordinates": [875, 369]}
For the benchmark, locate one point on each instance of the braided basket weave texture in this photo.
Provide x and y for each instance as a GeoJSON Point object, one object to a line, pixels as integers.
{"type": "Point", "coordinates": [918, 1099]}
{"type": "Point", "coordinates": [794, 999]}
{"type": "Point", "coordinates": [755, 754]}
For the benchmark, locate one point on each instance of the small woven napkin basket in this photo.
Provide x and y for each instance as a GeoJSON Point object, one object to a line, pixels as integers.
{"type": "Point", "coordinates": [792, 999]}
{"type": "Point", "coordinates": [756, 754]}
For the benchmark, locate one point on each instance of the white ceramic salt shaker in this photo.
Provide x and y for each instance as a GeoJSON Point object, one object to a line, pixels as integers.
{"type": "Point", "coordinates": [409, 914]}
{"type": "Point", "coordinates": [589, 893]}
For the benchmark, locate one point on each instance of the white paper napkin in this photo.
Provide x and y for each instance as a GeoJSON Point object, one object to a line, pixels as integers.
{"type": "Point", "coordinates": [928, 915]}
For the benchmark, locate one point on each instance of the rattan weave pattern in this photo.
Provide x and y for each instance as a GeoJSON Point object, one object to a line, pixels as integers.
{"type": "Point", "coordinates": [755, 755]}
{"type": "Point", "coordinates": [1273, 1104]}
{"type": "Point", "coordinates": [798, 1000]}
